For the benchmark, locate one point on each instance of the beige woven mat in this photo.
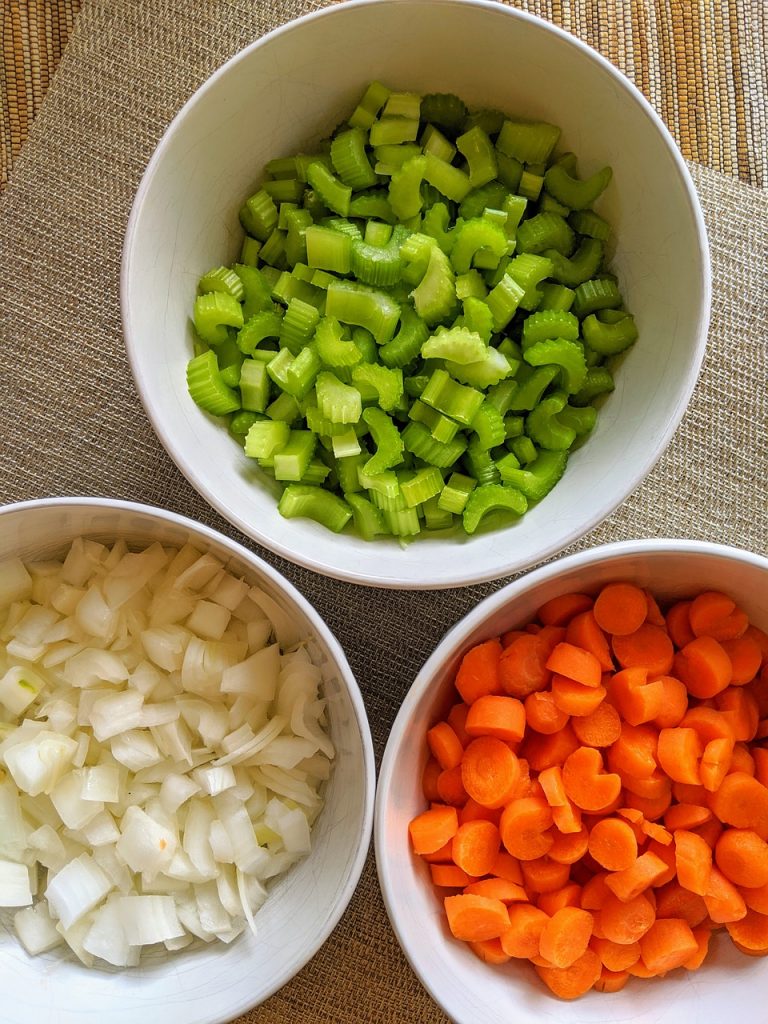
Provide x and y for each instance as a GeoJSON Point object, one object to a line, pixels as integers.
{"type": "Point", "coordinates": [70, 421]}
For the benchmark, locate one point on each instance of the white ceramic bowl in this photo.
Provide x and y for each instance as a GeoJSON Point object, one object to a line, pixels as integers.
{"type": "Point", "coordinates": [289, 89]}
{"type": "Point", "coordinates": [213, 983]}
{"type": "Point", "coordinates": [730, 986]}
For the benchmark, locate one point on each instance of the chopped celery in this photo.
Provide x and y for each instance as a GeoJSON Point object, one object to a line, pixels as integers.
{"type": "Point", "coordinates": [312, 502]}
{"type": "Point", "coordinates": [207, 388]}
{"type": "Point", "coordinates": [491, 497]}
{"type": "Point", "coordinates": [214, 313]}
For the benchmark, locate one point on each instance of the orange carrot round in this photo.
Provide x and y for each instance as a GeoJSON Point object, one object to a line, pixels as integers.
{"type": "Point", "coordinates": [742, 856]}
{"type": "Point", "coordinates": [429, 779]}
{"type": "Point", "coordinates": [569, 847]}
{"type": "Point", "coordinates": [565, 936]}
{"type": "Point", "coordinates": [572, 982]}
{"type": "Point", "coordinates": [583, 631]}
{"type": "Point", "coordinates": [615, 956]}
{"type": "Point", "coordinates": [525, 924]}
{"type": "Point", "coordinates": [544, 874]}
{"type": "Point", "coordinates": [703, 666]}
{"type": "Point", "coordinates": [674, 704]}
{"type": "Point", "coordinates": [497, 889]}
{"type": "Point", "coordinates": [450, 788]}
{"type": "Point", "coordinates": [620, 608]}
{"type": "Point", "coordinates": [649, 647]}
{"type": "Point", "coordinates": [613, 844]}
{"type": "Point", "coordinates": [600, 728]}
{"type": "Point", "coordinates": [693, 861]}
{"type": "Point", "coordinates": [679, 751]}
{"type": "Point", "coordinates": [723, 900]}
{"type": "Point", "coordinates": [433, 828]}
{"type": "Point", "coordinates": [626, 921]}
{"type": "Point", "coordinates": [542, 714]}
{"type": "Point", "coordinates": [490, 771]}
{"type": "Point", "coordinates": [672, 900]}
{"type": "Point", "coordinates": [575, 698]}
{"type": "Point", "coordinates": [449, 876]}
{"type": "Point", "coordinates": [679, 624]}
{"type": "Point", "coordinates": [478, 672]}
{"type": "Point", "coordinates": [575, 663]}
{"type": "Point", "coordinates": [667, 944]}
{"type": "Point", "coordinates": [492, 715]}
{"type": "Point", "coordinates": [522, 666]}
{"type": "Point", "coordinates": [457, 718]}
{"type": "Point", "coordinates": [475, 918]}
{"type": "Point", "coordinates": [743, 802]}
{"type": "Point", "coordinates": [490, 951]}
{"type": "Point", "coordinates": [445, 745]}
{"type": "Point", "coordinates": [746, 659]}
{"type": "Point", "coordinates": [525, 828]}
{"type": "Point", "coordinates": [708, 609]}
{"type": "Point", "coordinates": [586, 782]}
{"type": "Point", "coordinates": [750, 932]}
{"type": "Point", "coordinates": [560, 610]}
{"type": "Point", "coordinates": [475, 846]}
{"type": "Point", "coordinates": [568, 895]}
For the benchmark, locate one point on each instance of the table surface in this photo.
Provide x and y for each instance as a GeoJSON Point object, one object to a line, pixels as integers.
{"type": "Point", "coordinates": [702, 64]}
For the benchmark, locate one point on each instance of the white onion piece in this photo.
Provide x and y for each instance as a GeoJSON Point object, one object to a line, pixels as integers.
{"type": "Point", "coordinates": [117, 713]}
{"type": "Point", "coordinates": [66, 797]}
{"type": "Point", "coordinates": [148, 919]}
{"type": "Point", "coordinates": [15, 889]}
{"type": "Point", "coordinates": [106, 937]}
{"type": "Point", "coordinates": [286, 631]}
{"type": "Point", "coordinates": [36, 929]}
{"type": "Point", "coordinates": [257, 676]}
{"type": "Point", "coordinates": [76, 889]}
{"type": "Point", "coordinates": [37, 765]}
{"type": "Point", "coordinates": [144, 844]}
{"type": "Point", "coordinates": [101, 782]}
{"type": "Point", "coordinates": [15, 581]}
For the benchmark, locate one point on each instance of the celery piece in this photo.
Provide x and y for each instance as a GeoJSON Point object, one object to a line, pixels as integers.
{"type": "Point", "coordinates": [455, 343]}
{"type": "Point", "coordinates": [389, 131]}
{"type": "Point", "coordinates": [436, 518]}
{"type": "Point", "coordinates": [531, 387]}
{"type": "Point", "coordinates": [569, 355]}
{"type": "Point", "coordinates": [257, 292]}
{"type": "Point", "coordinates": [347, 471]}
{"type": "Point", "coordinates": [523, 449]}
{"type": "Point", "coordinates": [350, 160]}
{"type": "Point", "coordinates": [368, 520]}
{"type": "Point", "coordinates": [500, 395]}
{"type": "Point", "coordinates": [599, 380]}
{"type": "Point", "coordinates": [513, 426]}
{"type": "Point", "coordinates": [316, 472]}
{"type": "Point", "coordinates": [377, 265]}
{"type": "Point", "coordinates": [529, 270]}
{"type": "Point", "coordinates": [543, 426]}
{"type": "Point", "coordinates": [249, 252]}
{"type": "Point", "coordinates": [418, 440]}
{"type": "Point", "coordinates": [286, 209]}
{"type": "Point", "coordinates": [530, 185]}
{"type": "Point", "coordinates": [433, 141]}
{"type": "Point", "coordinates": [367, 110]}
{"type": "Point", "coordinates": [441, 427]}
{"type": "Point", "coordinates": [311, 502]}
{"type": "Point", "coordinates": [214, 312]}
{"type": "Point", "coordinates": [575, 194]}
{"type": "Point", "coordinates": [298, 325]}
{"type": "Point", "coordinates": [491, 195]}
{"type": "Point", "coordinates": [549, 205]}
{"type": "Point", "coordinates": [580, 267]}
{"type": "Point", "coordinates": [258, 215]}
{"type": "Point", "coordinates": [448, 180]}
{"type": "Point", "coordinates": [403, 523]}
{"type": "Point", "coordinates": [254, 386]}
{"type": "Point", "coordinates": [555, 297]}
{"type": "Point", "coordinates": [386, 437]}
{"type": "Point", "coordinates": [478, 318]}
{"type": "Point", "coordinates": [284, 190]}
{"type": "Point", "coordinates": [278, 367]}
{"type": "Point", "coordinates": [284, 409]}
{"type": "Point", "coordinates": [281, 167]}
{"type": "Point", "coordinates": [373, 203]}
{"type": "Point", "coordinates": [434, 298]}
{"type": "Point", "coordinates": [241, 423]}
{"type": "Point", "coordinates": [301, 374]}
{"type": "Point", "coordinates": [387, 383]}
{"type": "Point", "coordinates": [545, 324]}
{"type": "Point", "coordinates": [366, 344]}
{"type": "Point", "coordinates": [291, 461]}
{"type": "Point", "coordinates": [510, 170]}
{"type": "Point", "coordinates": [545, 231]}
{"type": "Point", "coordinates": [230, 375]}
{"type": "Point", "coordinates": [456, 492]}
{"type": "Point", "coordinates": [470, 285]}
{"type": "Point", "coordinates": [472, 237]}
{"type": "Point", "coordinates": [480, 464]}
{"type": "Point", "coordinates": [257, 329]}
{"type": "Point", "coordinates": [346, 445]}
{"type": "Point", "coordinates": [333, 348]}
{"type": "Point", "coordinates": [444, 110]}
{"type": "Point", "coordinates": [273, 250]}
{"type": "Point", "coordinates": [328, 249]}
{"type": "Point", "coordinates": [477, 149]}
{"type": "Point", "coordinates": [597, 294]}
{"type": "Point", "coordinates": [582, 420]}
{"type": "Point", "coordinates": [405, 188]}
{"type": "Point", "coordinates": [376, 233]}
{"type": "Point", "coordinates": [296, 224]}
{"type": "Point", "coordinates": [265, 438]}
{"type": "Point", "coordinates": [426, 483]}
{"type": "Point", "coordinates": [539, 477]}
{"type": "Point", "coordinates": [492, 497]}
{"type": "Point", "coordinates": [395, 156]}
{"type": "Point", "coordinates": [503, 301]}
{"type": "Point", "coordinates": [528, 142]}
{"type": "Point", "coordinates": [495, 366]}
{"type": "Point", "coordinates": [587, 222]}
{"type": "Point", "coordinates": [406, 344]}
{"type": "Point", "coordinates": [452, 399]}
{"type": "Point", "coordinates": [221, 279]}
{"type": "Point", "coordinates": [488, 425]}
{"type": "Point", "coordinates": [338, 402]}
{"type": "Point", "coordinates": [609, 338]}
{"type": "Point", "coordinates": [402, 104]}
{"type": "Point", "coordinates": [415, 252]}
{"type": "Point", "coordinates": [333, 193]}
{"type": "Point", "coordinates": [365, 307]}
{"type": "Point", "coordinates": [487, 118]}
{"type": "Point", "coordinates": [206, 387]}
{"type": "Point", "coordinates": [382, 486]}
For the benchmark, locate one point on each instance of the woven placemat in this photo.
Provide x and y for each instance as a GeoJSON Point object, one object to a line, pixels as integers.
{"type": "Point", "coordinates": [71, 423]}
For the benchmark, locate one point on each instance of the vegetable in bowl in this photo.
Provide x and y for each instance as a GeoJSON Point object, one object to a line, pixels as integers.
{"type": "Point", "coordinates": [420, 322]}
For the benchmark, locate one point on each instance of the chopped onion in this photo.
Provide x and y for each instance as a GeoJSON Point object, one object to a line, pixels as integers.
{"type": "Point", "coordinates": [164, 755]}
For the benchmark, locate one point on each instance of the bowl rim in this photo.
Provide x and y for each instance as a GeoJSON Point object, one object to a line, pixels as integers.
{"type": "Point", "coordinates": [335, 650]}
{"type": "Point", "coordinates": [430, 579]}
{"type": "Point", "coordinates": [451, 641]}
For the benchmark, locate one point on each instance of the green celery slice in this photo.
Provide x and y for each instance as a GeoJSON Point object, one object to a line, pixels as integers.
{"type": "Point", "coordinates": [388, 383]}
{"type": "Point", "coordinates": [418, 440]}
{"type": "Point", "coordinates": [350, 160]}
{"type": "Point", "coordinates": [609, 338]}
{"type": "Point", "coordinates": [206, 387]}
{"type": "Point", "coordinates": [528, 142]}
{"type": "Point", "coordinates": [336, 401]}
{"type": "Point", "coordinates": [458, 344]}
{"type": "Point", "coordinates": [265, 438]}
{"type": "Point", "coordinates": [386, 437]}
{"type": "Point", "coordinates": [451, 398]}
{"type": "Point", "coordinates": [292, 460]}
{"type": "Point", "coordinates": [426, 483]}
{"type": "Point", "coordinates": [214, 312]}
{"type": "Point", "coordinates": [254, 386]}
{"type": "Point", "coordinates": [333, 193]}
{"type": "Point", "coordinates": [539, 477]}
{"type": "Point", "coordinates": [368, 520]}
{"type": "Point", "coordinates": [365, 307]}
{"type": "Point", "coordinates": [567, 354]}
{"type": "Point", "coordinates": [477, 149]}
{"type": "Point", "coordinates": [455, 494]}
{"type": "Point", "coordinates": [312, 502]}
{"type": "Point", "coordinates": [492, 497]}
{"type": "Point", "coordinates": [543, 426]}
{"type": "Point", "coordinates": [575, 194]}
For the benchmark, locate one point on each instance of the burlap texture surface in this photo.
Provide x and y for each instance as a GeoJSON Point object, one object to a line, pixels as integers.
{"type": "Point", "coordinates": [71, 422]}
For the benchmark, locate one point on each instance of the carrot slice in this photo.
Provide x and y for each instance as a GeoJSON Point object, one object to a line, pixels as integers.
{"type": "Point", "coordinates": [572, 982]}
{"type": "Point", "coordinates": [475, 918]}
{"type": "Point", "coordinates": [567, 819]}
{"type": "Point", "coordinates": [648, 869]}
{"type": "Point", "coordinates": [611, 981]}
{"type": "Point", "coordinates": [429, 779]}
{"type": "Point", "coordinates": [544, 874]}
{"type": "Point", "coordinates": [542, 714]}
{"type": "Point", "coordinates": [490, 951]}
{"type": "Point", "coordinates": [672, 900]}
{"type": "Point", "coordinates": [708, 609]}
{"type": "Point", "coordinates": [742, 856]}
{"type": "Point", "coordinates": [612, 843]}
{"type": "Point", "coordinates": [445, 745]}
{"type": "Point", "coordinates": [746, 659]}
{"type": "Point", "coordinates": [586, 782]}
{"type": "Point", "coordinates": [522, 666]}
{"type": "Point", "coordinates": [615, 956]}
{"type": "Point", "coordinates": [649, 647]}
{"type": "Point", "coordinates": [741, 760]}
{"type": "Point", "coordinates": [743, 802]}
{"type": "Point", "coordinates": [490, 771]}
{"type": "Point", "coordinates": [674, 704]}
{"type": "Point", "coordinates": [449, 876]}
{"type": "Point", "coordinates": [525, 828]}
{"type": "Point", "coordinates": [566, 935]}
{"type": "Point", "coordinates": [600, 728]}
{"type": "Point", "coordinates": [551, 781]}
{"type": "Point", "coordinates": [433, 828]}
{"type": "Point", "coordinates": [525, 924]}
{"type": "Point", "coordinates": [633, 754]}
{"type": "Point", "coordinates": [583, 631]}
{"type": "Point", "coordinates": [651, 807]}
{"type": "Point", "coordinates": [560, 610]}
{"type": "Point", "coordinates": [751, 932]}
{"type": "Point", "coordinates": [655, 615]}
{"type": "Point", "coordinates": [709, 723]}
{"type": "Point", "coordinates": [475, 847]}
{"type": "Point", "coordinates": [693, 861]}
{"type": "Point", "coordinates": [667, 944]}
{"type": "Point", "coordinates": [679, 752]}
{"type": "Point", "coordinates": [502, 717]}
{"type": "Point", "coordinates": [637, 700]}
{"type": "Point", "coordinates": [478, 672]}
{"type": "Point", "coordinates": [704, 667]}
{"type": "Point", "coordinates": [756, 899]}
{"type": "Point", "coordinates": [575, 663]}
{"type": "Point", "coordinates": [569, 847]}
{"type": "Point", "coordinates": [686, 816]}
{"type": "Point", "coordinates": [740, 709]}
{"type": "Point", "coordinates": [542, 751]}
{"type": "Point", "coordinates": [620, 608]}
{"type": "Point", "coordinates": [473, 811]}
{"type": "Point", "coordinates": [679, 624]}
{"type": "Point", "coordinates": [715, 763]}
{"type": "Point", "coordinates": [723, 900]}
{"type": "Point", "coordinates": [450, 787]}
{"type": "Point", "coordinates": [576, 698]}
{"type": "Point", "coordinates": [457, 718]}
{"type": "Point", "coordinates": [497, 889]}
{"type": "Point", "coordinates": [568, 895]}
{"type": "Point", "coordinates": [626, 921]}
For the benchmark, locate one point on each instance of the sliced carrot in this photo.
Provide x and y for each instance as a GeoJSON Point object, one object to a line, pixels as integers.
{"type": "Point", "coordinates": [575, 663]}
{"type": "Point", "coordinates": [655, 615]}
{"type": "Point", "coordinates": [743, 802]}
{"type": "Point", "coordinates": [693, 860]}
{"type": "Point", "coordinates": [613, 844]}
{"type": "Point", "coordinates": [635, 820]}
{"type": "Point", "coordinates": [679, 624]}
{"type": "Point", "coordinates": [457, 718]}
{"type": "Point", "coordinates": [478, 672]}
{"type": "Point", "coordinates": [544, 874]}
{"type": "Point", "coordinates": [473, 811]}
{"type": "Point", "coordinates": [741, 760]}
{"type": "Point", "coordinates": [709, 723]}
{"type": "Point", "coordinates": [507, 867]}
{"type": "Point", "coordinates": [601, 728]}
{"type": "Point", "coordinates": [449, 876]}
{"type": "Point", "coordinates": [475, 918]}
{"type": "Point", "coordinates": [686, 816]}
{"type": "Point", "coordinates": [703, 666]}
{"type": "Point", "coordinates": [542, 714]}
{"type": "Point", "coordinates": [583, 631]}
{"type": "Point", "coordinates": [667, 944]}
{"type": "Point", "coordinates": [651, 807]}
{"type": "Point", "coordinates": [568, 895]}
{"type": "Point", "coordinates": [502, 717]}
{"type": "Point", "coordinates": [543, 751]}
{"type": "Point", "coordinates": [433, 828]}
{"type": "Point", "coordinates": [626, 921]}
{"type": "Point", "coordinates": [522, 666]}
{"type": "Point", "coordinates": [760, 757]}
{"type": "Point", "coordinates": [715, 763]}
{"type": "Point", "coordinates": [746, 659]}
{"type": "Point", "coordinates": [551, 781]}
{"type": "Point", "coordinates": [510, 636]}
{"type": "Point", "coordinates": [723, 900]}
{"type": "Point", "coordinates": [632, 881]}
{"type": "Point", "coordinates": [497, 889]}
{"type": "Point", "coordinates": [525, 924]}
{"type": "Point", "coordinates": [652, 787]}
{"type": "Point", "coordinates": [639, 970]}
{"type": "Point", "coordinates": [679, 752]}
{"type": "Point", "coordinates": [672, 900]}
{"type": "Point", "coordinates": [490, 771]}
{"type": "Point", "coordinates": [761, 639]}
{"type": "Point", "coordinates": [429, 779]}
{"type": "Point", "coordinates": [475, 847]}
{"type": "Point", "coordinates": [708, 609]}
{"type": "Point", "coordinates": [742, 856]}
{"type": "Point", "coordinates": [560, 610]}
{"type": "Point", "coordinates": [445, 745]}
{"type": "Point", "coordinates": [565, 937]}
{"type": "Point", "coordinates": [755, 899]}
{"type": "Point", "coordinates": [611, 981]}
{"type": "Point", "coordinates": [750, 952]}
{"type": "Point", "coordinates": [665, 853]}
{"type": "Point", "coordinates": [441, 855]}
{"type": "Point", "coordinates": [751, 931]}
{"type": "Point", "coordinates": [490, 951]}
{"type": "Point", "coordinates": [740, 709]}
{"type": "Point", "coordinates": [685, 793]}
{"type": "Point", "coordinates": [569, 847]}
{"type": "Point", "coordinates": [567, 819]}
{"type": "Point", "coordinates": [658, 833]}
{"type": "Point", "coordinates": [636, 699]}
{"type": "Point", "coordinates": [615, 956]}
{"type": "Point", "coordinates": [648, 647]}
{"type": "Point", "coordinates": [595, 893]}
{"type": "Point", "coordinates": [450, 787]}
{"type": "Point", "coordinates": [634, 753]}
{"type": "Point", "coordinates": [525, 828]}
{"type": "Point", "coordinates": [620, 608]}
{"type": "Point", "coordinates": [710, 832]}
{"type": "Point", "coordinates": [675, 702]}
{"type": "Point", "coordinates": [586, 782]}
{"type": "Point", "coordinates": [572, 982]}
{"type": "Point", "coordinates": [575, 698]}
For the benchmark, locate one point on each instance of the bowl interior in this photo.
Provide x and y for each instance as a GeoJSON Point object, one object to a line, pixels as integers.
{"type": "Point", "coordinates": [468, 990]}
{"type": "Point", "coordinates": [286, 92]}
{"type": "Point", "coordinates": [207, 983]}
